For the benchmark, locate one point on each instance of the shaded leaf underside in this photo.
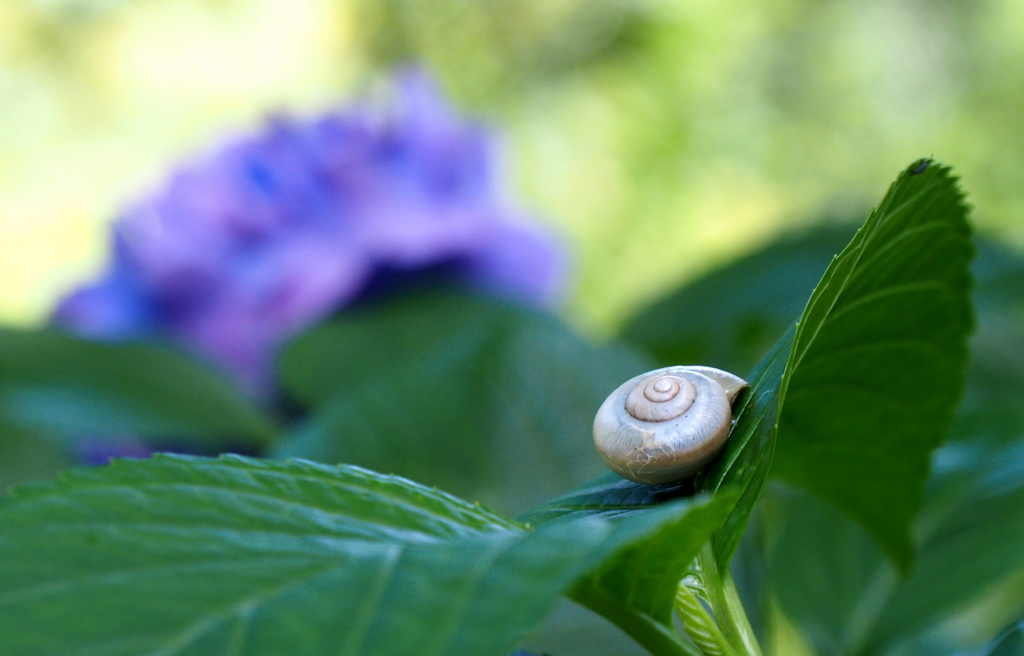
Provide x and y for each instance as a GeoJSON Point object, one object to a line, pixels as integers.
{"type": "Point", "coordinates": [66, 385]}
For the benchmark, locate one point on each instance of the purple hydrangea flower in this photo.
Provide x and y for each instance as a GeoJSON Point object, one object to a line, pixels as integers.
{"type": "Point", "coordinates": [250, 244]}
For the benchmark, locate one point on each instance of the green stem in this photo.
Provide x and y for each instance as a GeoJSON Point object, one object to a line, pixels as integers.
{"type": "Point", "coordinates": [726, 606]}
{"type": "Point", "coordinates": [738, 617]}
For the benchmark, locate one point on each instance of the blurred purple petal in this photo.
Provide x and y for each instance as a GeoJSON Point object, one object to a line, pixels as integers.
{"type": "Point", "coordinates": [525, 264]}
{"type": "Point", "coordinates": [254, 242]}
{"type": "Point", "coordinates": [99, 451]}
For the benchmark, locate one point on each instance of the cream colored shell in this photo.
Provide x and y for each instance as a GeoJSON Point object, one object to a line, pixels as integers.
{"type": "Point", "coordinates": [666, 424]}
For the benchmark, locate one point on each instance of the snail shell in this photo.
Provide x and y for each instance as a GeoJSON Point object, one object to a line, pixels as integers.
{"type": "Point", "coordinates": [666, 424]}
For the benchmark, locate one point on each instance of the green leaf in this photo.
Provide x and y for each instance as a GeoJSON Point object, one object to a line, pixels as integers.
{"type": "Point", "coordinates": [637, 588]}
{"type": "Point", "coordinates": [744, 462]}
{"type": "Point", "coordinates": [643, 578]}
{"type": "Point", "coordinates": [640, 584]}
{"type": "Point", "coordinates": [835, 582]}
{"type": "Point", "coordinates": [482, 398]}
{"type": "Point", "coordinates": [58, 383]}
{"type": "Point", "coordinates": [863, 390]}
{"type": "Point", "coordinates": [878, 359]}
{"type": "Point", "coordinates": [181, 555]}
{"type": "Point", "coordinates": [828, 572]}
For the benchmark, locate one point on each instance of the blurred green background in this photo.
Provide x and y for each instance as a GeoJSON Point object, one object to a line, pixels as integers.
{"type": "Point", "coordinates": [627, 124]}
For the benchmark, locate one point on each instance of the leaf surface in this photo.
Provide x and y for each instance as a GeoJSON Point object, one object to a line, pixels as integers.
{"type": "Point", "coordinates": [829, 574]}
{"type": "Point", "coordinates": [182, 555]}
{"type": "Point", "coordinates": [835, 582]}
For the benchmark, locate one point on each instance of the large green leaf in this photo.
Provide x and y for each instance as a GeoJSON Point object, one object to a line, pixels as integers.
{"type": "Point", "coordinates": [482, 398]}
{"type": "Point", "coordinates": [182, 555]}
{"type": "Point", "coordinates": [826, 569]}
{"type": "Point", "coordinates": [61, 384]}
{"type": "Point", "coordinates": [900, 248]}
{"type": "Point", "coordinates": [863, 390]}
{"type": "Point", "coordinates": [836, 584]}
{"type": "Point", "coordinates": [878, 359]}
{"type": "Point", "coordinates": [831, 577]}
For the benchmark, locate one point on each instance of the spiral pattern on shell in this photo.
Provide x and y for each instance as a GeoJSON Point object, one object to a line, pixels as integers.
{"type": "Point", "coordinates": [666, 424]}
